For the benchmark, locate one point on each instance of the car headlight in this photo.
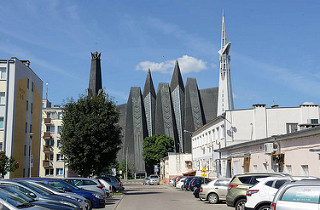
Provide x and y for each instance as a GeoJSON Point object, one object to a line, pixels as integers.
{"type": "Point", "coordinates": [97, 195]}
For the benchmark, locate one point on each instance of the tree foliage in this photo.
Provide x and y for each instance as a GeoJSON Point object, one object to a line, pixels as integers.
{"type": "Point", "coordinates": [7, 164]}
{"type": "Point", "coordinates": [90, 134]}
{"type": "Point", "coordinates": [156, 147]}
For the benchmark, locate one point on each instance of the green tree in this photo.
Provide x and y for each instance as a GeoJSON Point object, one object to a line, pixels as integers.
{"type": "Point", "coordinates": [7, 164]}
{"type": "Point", "coordinates": [90, 134]}
{"type": "Point", "coordinates": [156, 147]}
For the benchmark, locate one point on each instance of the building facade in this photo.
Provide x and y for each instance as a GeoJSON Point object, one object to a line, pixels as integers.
{"type": "Point", "coordinates": [241, 126]}
{"type": "Point", "coordinates": [52, 162]}
{"type": "Point", "coordinates": [176, 110]}
{"type": "Point", "coordinates": [294, 153]}
{"type": "Point", "coordinates": [20, 115]}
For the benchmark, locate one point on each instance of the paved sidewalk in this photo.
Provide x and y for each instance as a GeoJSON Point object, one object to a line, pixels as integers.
{"type": "Point", "coordinates": [113, 202]}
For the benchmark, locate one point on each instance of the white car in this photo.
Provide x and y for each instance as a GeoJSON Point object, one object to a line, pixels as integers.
{"type": "Point", "coordinates": [260, 196]}
{"type": "Point", "coordinates": [154, 179]}
{"type": "Point", "coordinates": [171, 181]}
{"type": "Point", "coordinates": [215, 190]}
{"type": "Point", "coordinates": [180, 183]}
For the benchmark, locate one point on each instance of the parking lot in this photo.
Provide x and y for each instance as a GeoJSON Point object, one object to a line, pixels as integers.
{"type": "Point", "coordinates": [138, 196]}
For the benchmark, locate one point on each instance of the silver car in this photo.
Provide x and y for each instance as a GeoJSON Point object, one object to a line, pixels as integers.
{"type": "Point", "coordinates": [299, 195]}
{"type": "Point", "coordinates": [154, 179]}
{"type": "Point", "coordinates": [215, 190]}
{"type": "Point", "coordinates": [87, 184]}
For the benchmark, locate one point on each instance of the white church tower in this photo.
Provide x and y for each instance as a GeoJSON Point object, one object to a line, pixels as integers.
{"type": "Point", "coordinates": [225, 98]}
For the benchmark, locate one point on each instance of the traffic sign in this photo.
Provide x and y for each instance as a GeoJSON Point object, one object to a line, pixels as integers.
{"type": "Point", "coordinates": [204, 170]}
{"type": "Point", "coordinates": [204, 175]}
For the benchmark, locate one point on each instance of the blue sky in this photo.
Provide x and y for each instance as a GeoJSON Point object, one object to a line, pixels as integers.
{"type": "Point", "coordinates": [274, 51]}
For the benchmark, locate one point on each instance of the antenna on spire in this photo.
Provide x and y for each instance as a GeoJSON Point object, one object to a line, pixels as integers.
{"type": "Point", "coordinates": [223, 32]}
{"type": "Point", "coordinates": [47, 84]}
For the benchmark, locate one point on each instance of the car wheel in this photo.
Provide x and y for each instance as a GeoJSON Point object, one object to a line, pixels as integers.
{"type": "Point", "coordinates": [89, 204]}
{"type": "Point", "coordinates": [240, 204]}
{"type": "Point", "coordinates": [202, 199]}
{"type": "Point", "coordinates": [213, 198]}
{"type": "Point", "coordinates": [113, 189]}
{"type": "Point", "coordinates": [264, 207]}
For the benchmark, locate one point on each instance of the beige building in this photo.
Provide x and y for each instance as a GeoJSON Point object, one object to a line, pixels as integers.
{"type": "Point", "coordinates": [294, 153]}
{"type": "Point", "coordinates": [242, 126]}
{"type": "Point", "coordinates": [20, 115]}
{"type": "Point", "coordinates": [52, 162]}
{"type": "Point", "coordinates": [175, 164]}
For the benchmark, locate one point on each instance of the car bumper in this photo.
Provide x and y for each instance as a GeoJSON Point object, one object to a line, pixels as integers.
{"type": "Point", "coordinates": [230, 203]}
{"type": "Point", "coordinates": [202, 195]}
{"type": "Point", "coordinates": [246, 208]}
{"type": "Point", "coordinates": [98, 203]}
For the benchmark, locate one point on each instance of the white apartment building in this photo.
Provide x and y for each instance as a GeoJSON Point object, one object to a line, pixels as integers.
{"type": "Point", "coordinates": [20, 115]}
{"type": "Point", "coordinates": [239, 126]}
{"type": "Point", "coordinates": [52, 162]}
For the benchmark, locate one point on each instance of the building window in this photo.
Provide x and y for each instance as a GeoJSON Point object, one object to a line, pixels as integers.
{"type": "Point", "coordinates": [48, 156]}
{"type": "Point", "coordinates": [30, 131]}
{"type": "Point", "coordinates": [26, 128]}
{"type": "Point", "coordinates": [59, 144]}
{"type": "Point", "coordinates": [1, 123]}
{"type": "Point", "coordinates": [305, 170]}
{"type": "Point", "coordinates": [314, 121]}
{"type": "Point", "coordinates": [59, 157]}
{"type": "Point", "coordinates": [2, 98]}
{"type": "Point", "coordinates": [31, 108]}
{"type": "Point", "coordinates": [59, 115]}
{"type": "Point", "coordinates": [27, 107]}
{"type": "Point", "coordinates": [59, 171]}
{"type": "Point", "coordinates": [28, 83]}
{"type": "Point", "coordinates": [59, 129]}
{"type": "Point", "coordinates": [255, 168]}
{"type": "Point", "coordinates": [288, 169]}
{"type": "Point", "coordinates": [50, 129]}
{"type": "Point", "coordinates": [292, 127]}
{"type": "Point", "coordinates": [32, 87]}
{"type": "Point", "coordinates": [3, 74]}
{"type": "Point", "coordinates": [50, 142]}
{"type": "Point", "coordinates": [49, 171]}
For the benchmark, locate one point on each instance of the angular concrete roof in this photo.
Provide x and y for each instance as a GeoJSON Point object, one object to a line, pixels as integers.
{"type": "Point", "coordinates": [95, 81]}
{"type": "Point", "coordinates": [148, 86]}
{"type": "Point", "coordinates": [176, 78]}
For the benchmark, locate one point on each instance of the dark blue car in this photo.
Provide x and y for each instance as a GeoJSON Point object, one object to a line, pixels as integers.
{"type": "Point", "coordinates": [187, 182]}
{"type": "Point", "coordinates": [95, 199]}
{"type": "Point", "coordinates": [197, 182]}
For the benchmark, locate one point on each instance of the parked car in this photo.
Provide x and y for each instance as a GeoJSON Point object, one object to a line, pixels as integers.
{"type": "Point", "coordinates": [13, 202]}
{"type": "Point", "coordinates": [180, 183]}
{"type": "Point", "coordinates": [114, 181]}
{"type": "Point", "coordinates": [260, 195]}
{"type": "Point", "coordinates": [146, 180]}
{"type": "Point", "coordinates": [197, 182]}
{"type": "Point", "coordinates": [40, 194]}
{"type": "Point", "coordinates": [81, 200]}
{"type": "Point", "coordinates": [154, 179]}
{"type": "Point", "coordinates": [215, 190]}
{"type": "Point", "coordinates": [107, 187]}
{"type": "Point", "coordinates": [46, 205]}
{"type": "Point", "coordinates": [172, 181]}
{"type": "Point", "coordinates": [186, 183]}
{"type": "Point", "coordinates": [176, 181]}
{"type": "Point", "coordinates": [240, 183]}
{"type": "Point", "coordinates": [299, 195]}
{"type": "Point", "coordinates": [91, 184]}
{"type": "Point", "coordinates": [196, 192]}
{"type": "Point", "coordinates": [95, 200]}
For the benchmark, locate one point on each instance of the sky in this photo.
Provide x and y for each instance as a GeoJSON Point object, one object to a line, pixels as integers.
{"type": "Point", "coordinates": [274, 45]}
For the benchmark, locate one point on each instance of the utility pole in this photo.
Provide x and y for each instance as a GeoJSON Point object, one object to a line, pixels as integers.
{"type": "Point", "coordinates": [127, 164]}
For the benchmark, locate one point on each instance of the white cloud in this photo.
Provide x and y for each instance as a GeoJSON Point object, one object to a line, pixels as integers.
{"type": "Point", "coordinates": [187, 64]}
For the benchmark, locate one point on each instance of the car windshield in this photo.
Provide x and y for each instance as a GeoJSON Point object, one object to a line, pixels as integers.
{"type": "Point", "coordinates": [17, 193]}
{"type": "Point", "coordinates": [38, 189]}
{"type": "Point", "coordinates": [153, 177]}
{"type": "Point", "coordinates": [50, 187]}
{"type": "Point", "coordinates": [12, 199]}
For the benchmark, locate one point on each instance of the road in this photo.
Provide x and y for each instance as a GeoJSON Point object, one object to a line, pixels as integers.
{"type": "Point", "coordinates": [159, 197]}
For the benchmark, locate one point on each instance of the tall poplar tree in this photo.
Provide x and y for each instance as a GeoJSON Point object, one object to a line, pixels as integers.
{"type": "Point", "coordinates": [90, 135]}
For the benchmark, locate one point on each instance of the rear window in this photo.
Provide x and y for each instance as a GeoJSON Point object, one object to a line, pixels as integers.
{"type": "Point", "coordinates": [156, 177]}
{"type": "Point", "coordinates": [303, 194]}
{"type": "Point", "coordinates": [245, 179]}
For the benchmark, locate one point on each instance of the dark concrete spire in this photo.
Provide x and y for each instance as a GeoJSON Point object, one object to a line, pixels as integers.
{"type": "Point", "coordinates": [176, 78]}
{"type": "Point", "coordinates": [148, 86]}
{"type": "Point", "coordinates": [95, 82]}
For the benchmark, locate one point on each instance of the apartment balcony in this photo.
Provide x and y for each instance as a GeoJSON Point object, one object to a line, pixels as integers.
{"type": "Point", "coordinates": [47, 149]}
{"type": "Point", "coordinates": [47, 135]}
{"type": "Point", "coordinates": [47, 163]}
{"type": "Point", "coordinates": [47, 121]}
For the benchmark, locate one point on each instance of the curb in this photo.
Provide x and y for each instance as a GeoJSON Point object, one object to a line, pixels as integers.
{"type": "Point", "coordinates": [115, 207]}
